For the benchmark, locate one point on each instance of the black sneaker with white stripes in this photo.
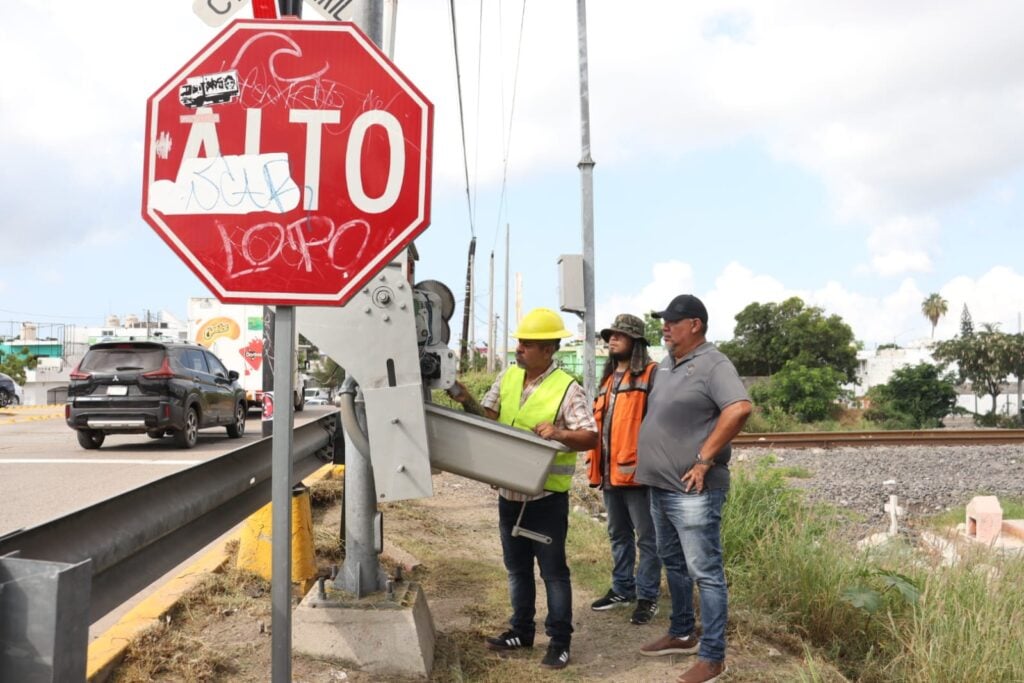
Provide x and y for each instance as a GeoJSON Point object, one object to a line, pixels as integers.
{"type": "Point", "coordinates": [644, 612]}
{"type": "Point", "coordinates": [611, 600]}
{"type": "Point", "coordinates": [557, 657]}
{"type": "Point", "coordinates": [509, 640]}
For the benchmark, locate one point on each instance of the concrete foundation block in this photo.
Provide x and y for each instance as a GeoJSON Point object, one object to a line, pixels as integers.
{"type": "Point", "coordinates": [385, 636]}
{"type": "Point", "coordinates": [1014, 527]}
{"type": "Point", "coordinates": [984, 519]}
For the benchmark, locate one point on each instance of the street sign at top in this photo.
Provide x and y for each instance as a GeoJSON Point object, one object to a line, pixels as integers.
{"type": "Point", "coordinates": [287, 162]}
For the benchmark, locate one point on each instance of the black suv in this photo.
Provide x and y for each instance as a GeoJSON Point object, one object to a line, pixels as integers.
{"type": "Point", "coordinates": [152, 387]}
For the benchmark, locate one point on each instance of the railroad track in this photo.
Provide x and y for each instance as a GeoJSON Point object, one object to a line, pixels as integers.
{"type": "Point", "coordinates": [909, 437]}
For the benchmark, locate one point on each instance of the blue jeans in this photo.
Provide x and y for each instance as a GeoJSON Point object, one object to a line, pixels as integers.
{"type": "Point", "coordinates": [689, 529]}
{"type": "Point", "coordinates": [548, 516]}
{"type": "Point", "coordinates": [630, 526]}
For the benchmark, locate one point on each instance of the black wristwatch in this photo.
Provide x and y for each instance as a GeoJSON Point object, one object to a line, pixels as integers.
{"type": "Point", "coordinates": [702, 461]}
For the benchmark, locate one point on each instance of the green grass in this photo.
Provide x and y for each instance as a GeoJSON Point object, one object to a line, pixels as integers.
{"type": "Point", "coordinates": [589, 553]}
{"type": "Point", "coordinates": [1013, 508]}
{"type": "Point", "coordinates": [882, 616]}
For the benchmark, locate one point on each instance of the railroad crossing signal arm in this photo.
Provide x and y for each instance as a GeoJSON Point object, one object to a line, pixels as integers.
{"type": "Point", "coordinates": [374, 338]}
{"type": "Point", "coordinates": [392, 339]}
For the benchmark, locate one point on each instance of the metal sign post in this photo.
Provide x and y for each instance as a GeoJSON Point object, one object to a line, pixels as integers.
{"type": "Point", "coordinates": [281, 499]}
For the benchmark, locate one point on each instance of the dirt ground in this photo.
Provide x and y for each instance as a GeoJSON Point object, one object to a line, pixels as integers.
{"type": "Point", "coordinates": [453, 536]}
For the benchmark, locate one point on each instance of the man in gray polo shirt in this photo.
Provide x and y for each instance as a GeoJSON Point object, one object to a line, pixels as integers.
{"type": "Point", "coordinates": [697, 406]}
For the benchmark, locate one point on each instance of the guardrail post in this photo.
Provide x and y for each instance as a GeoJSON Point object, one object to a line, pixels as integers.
{"type": "Point", "coordinates": [44, 620]}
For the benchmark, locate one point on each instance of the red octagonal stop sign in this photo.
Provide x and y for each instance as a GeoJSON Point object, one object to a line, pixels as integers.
{"type": "Point", "coordinates": [288, 162]}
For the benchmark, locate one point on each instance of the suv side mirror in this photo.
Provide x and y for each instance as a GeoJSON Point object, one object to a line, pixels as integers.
{"type": "Point", "coordinates": [232, 375]}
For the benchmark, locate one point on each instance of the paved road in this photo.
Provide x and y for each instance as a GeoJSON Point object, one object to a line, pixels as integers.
{"type": "Point", "coordinates": [45, 474]}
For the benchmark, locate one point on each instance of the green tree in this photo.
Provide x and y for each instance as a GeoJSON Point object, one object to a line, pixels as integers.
{"type": "Point", "coordinates": [1014, 358]}
{"type": "Point", "coordinates": [327, 373]}
{"type": "Point", "coordinates": [809, 394]}
{"type": "Point", "coordinates": [933, 308]}
{"type": "Point", "coordinates": [982, 358]}
{"type": "Point", "coordinates": [966, 323]}
{"type": "Point", "coordinates": [652, 330]}
{"type": "Point", "coordinates": [916, 396]}
{"type": "Point", "coordinates": [767, 336]}
{"type": "Point", "coordinates": [14, 363]}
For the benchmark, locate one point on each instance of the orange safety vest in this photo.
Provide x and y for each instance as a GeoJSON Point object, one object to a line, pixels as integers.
{"type": "Point", "coordinates": [627, 411]}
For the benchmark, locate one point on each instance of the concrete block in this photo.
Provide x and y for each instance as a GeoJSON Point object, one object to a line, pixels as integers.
{"type": "Point", "coordinates": [984, 519]}
{"type": "Point", "coordinates": [380, 635]}
{"type": "Point", "coordinates": [1014, 527]}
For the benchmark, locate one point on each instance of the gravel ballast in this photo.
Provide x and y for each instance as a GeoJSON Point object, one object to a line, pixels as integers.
{"type": "Point", "coordinates": [926, 479]}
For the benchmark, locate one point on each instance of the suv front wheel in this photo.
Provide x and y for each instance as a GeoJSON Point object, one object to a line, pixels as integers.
{"type": "Point", "coordinates": [90, 439]}
{"type": "Point", "coordinates": [187, 436]}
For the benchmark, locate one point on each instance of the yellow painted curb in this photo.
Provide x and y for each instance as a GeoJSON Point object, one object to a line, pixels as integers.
{"type": "Point", "coordinates": [106, 651]}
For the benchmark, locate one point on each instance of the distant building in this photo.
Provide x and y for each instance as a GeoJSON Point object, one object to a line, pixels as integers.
{"type": "Point", "coordinates": [876, 367]}
{"type": "Point", "coordinates": [59, 347]}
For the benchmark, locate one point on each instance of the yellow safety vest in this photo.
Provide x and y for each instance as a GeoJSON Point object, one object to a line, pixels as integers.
{"type": "Point", "coordinates": [541, 406]}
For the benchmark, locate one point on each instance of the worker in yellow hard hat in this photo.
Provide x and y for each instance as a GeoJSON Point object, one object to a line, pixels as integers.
{"type": "Point", "coordinates": [536, 395]}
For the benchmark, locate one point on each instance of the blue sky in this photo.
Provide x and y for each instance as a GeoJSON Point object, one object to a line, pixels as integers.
{"type": "Point", "coordinates": [859, 155]}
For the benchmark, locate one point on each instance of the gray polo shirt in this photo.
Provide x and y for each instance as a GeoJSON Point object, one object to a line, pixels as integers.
{"type": "Point", "coordinates": [682, 409]}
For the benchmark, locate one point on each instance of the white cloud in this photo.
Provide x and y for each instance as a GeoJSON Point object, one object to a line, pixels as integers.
{"type": "Point", "coordinates": [669, 278]}
{"type": "Point", "coordinates": [997, 296]}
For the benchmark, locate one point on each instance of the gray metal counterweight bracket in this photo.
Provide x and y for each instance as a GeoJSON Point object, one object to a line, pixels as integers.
{"type": "Point", "coordinates": [526, 533]}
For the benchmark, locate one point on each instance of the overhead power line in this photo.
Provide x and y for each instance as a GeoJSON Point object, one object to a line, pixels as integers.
{"type": "Point", "coordinates": [502, 202]}
{"type": "Point", "coordinates": [462, 118]}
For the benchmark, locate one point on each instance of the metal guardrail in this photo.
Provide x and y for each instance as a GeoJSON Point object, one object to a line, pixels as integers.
{"type": "Point", "coordinates": [136, 537]}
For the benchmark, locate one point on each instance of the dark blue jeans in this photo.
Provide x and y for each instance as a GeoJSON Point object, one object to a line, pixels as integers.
{"type": "Point", "coordinates": [548, 516]}
{"type": "Point", "coordinates": [629, 527]}
{"type": "Point", "coordinates": [689, 527]}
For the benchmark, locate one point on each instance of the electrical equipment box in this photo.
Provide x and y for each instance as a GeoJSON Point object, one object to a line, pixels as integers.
{"type": "Point", "coordinates": [570, 283]}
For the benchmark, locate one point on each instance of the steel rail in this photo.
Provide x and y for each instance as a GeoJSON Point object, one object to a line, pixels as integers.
{"type": "Point", "coordinates": [907, 437]}
{"type": "Point", "coordinates": [138, 536]}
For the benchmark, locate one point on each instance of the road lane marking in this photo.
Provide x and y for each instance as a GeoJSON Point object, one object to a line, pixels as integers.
{"type": "Point", "coordinates": [98, 461]}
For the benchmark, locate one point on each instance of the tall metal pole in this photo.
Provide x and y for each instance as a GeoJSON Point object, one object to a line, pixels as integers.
{"type": "Point", "coordinates": [281, 499]}
{"type": "Point", "coordinates": [490, 319]}
{"type": "Point", "coordinates": [368, 15]}
{"type": "Point", "coordinates": [586, 166]}
{"type": "Point", "coordinates": [361, 571]}
{"type": "Point", "coordinates": [504, 315]}
{"type": "Point", "coordinates": [467, 311]}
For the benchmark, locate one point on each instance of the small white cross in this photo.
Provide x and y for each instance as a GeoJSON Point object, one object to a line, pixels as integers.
{"type": "Point", "coordinates": [894, 510]}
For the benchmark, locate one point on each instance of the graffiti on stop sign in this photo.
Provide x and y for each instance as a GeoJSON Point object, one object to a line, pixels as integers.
{"type": "Point", "coordinates": [280, 159]}
{"type": "Point", "coordinates": [298, 245]}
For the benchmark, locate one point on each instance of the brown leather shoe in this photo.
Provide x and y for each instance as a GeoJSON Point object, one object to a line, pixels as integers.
{"type": "Point", "coordinates": [703, 672]}
{"type": "Point", "coordinates": [671, 645]}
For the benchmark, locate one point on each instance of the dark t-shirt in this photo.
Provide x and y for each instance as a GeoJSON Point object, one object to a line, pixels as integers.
{"type": "Point", "coordinates": [682, 410]}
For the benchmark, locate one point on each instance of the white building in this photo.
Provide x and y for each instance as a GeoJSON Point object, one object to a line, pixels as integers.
{"type": "Point", "coordinates": [877, 366]}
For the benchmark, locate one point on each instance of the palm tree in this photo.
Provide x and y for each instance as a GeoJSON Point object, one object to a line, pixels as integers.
{"type": "Point", "coordinates": [934, 307]}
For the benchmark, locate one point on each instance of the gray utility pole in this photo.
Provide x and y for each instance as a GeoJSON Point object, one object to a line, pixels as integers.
{"type": "Point", "coordinates": [490, 320]}
{"type": "Point", "coordinates": [586, 167]}
{"type": "Point", "coordinates": [504, 315]}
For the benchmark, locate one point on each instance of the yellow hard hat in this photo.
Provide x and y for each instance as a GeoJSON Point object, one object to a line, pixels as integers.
{"type": "Point", "coordinates": [540, 324]}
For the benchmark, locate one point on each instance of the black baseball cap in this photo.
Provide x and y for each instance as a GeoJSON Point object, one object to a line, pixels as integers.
{"type": "Point", "coordinates": [683, 306]}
